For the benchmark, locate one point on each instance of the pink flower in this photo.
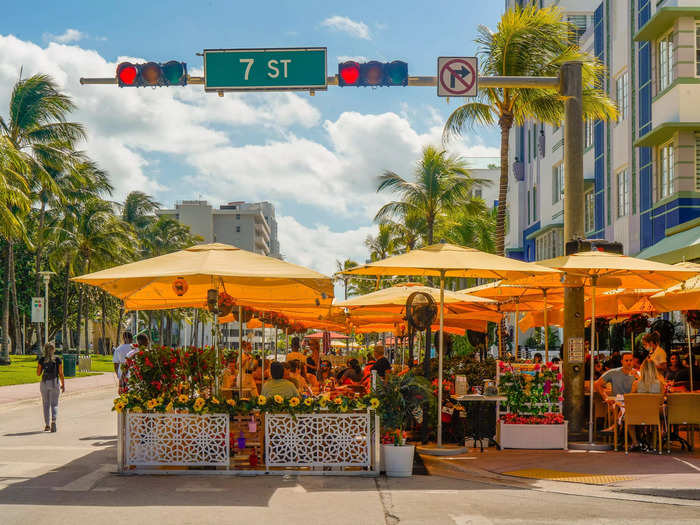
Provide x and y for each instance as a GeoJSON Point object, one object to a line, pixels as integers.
{"type": "Point", "coordinates": [561, 398]}
{"type": "Point", "coordinates": [537, 367]}
{"type": "Point", "coordinates": [559, 376]}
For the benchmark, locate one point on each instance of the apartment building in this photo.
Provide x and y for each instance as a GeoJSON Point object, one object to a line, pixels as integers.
{"type": "Point", "coordinates": [642, 172]}
{"type": "Point", "coordinates": [250, 226]}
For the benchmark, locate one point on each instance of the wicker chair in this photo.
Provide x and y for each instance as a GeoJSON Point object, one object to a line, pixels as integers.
{"type": "Point", "coordinates": [643, 409]}
{"type": "Point", "coordinates": [683, 409]}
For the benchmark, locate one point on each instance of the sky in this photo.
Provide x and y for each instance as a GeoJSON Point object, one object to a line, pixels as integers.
{"type": "Point", "coordinates": [316, 159]}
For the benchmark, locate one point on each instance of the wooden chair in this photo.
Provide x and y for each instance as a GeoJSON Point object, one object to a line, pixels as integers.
{"type": "Point", "coordinates": [643, 409]}
{"type": "Point", "coordinates": [600, 411]}
{"type": "Point", "coordinates": [683, 409]}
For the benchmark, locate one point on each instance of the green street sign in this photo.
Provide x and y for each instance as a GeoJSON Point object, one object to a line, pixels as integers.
{"type": "Point", "coordinates": [265, 69]}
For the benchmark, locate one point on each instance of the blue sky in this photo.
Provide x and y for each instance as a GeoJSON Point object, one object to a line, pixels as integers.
{"type": "Point", "coordinates": [316, 157]}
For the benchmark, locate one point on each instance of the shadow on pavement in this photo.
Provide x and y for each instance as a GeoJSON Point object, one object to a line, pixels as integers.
{"type": "Point", "coordinates": [692, 494]}
{"type": "Point", "coordinates": [19, 434]}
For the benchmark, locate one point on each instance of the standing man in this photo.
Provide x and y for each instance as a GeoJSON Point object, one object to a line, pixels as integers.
{"type": "Point", "coordinates": [295, 352]}
{"type": "Point", "coordinates": [119, 357]}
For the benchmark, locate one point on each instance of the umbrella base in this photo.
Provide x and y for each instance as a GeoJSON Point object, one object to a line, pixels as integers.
{"type": "Point", "coordinates": [595, 447]}
{"type": "Point", "coordinates": [444, 450]}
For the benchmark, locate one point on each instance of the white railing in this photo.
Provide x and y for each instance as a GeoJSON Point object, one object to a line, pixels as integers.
{"type": "Point", "coordinates": [176, 440]}
{"type": "Point", "coordinates": [318, 440]}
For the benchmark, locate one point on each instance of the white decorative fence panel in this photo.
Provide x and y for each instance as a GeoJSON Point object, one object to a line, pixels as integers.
{"type": "Point", "coordinates": [318, 440]}
{"type": "Point", "coordinates": [177, 439]}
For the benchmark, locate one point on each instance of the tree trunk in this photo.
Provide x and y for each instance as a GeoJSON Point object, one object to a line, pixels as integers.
{"type": "Point", "coordinates": [64, 328]}
{"type": "Point", "coordinates": [39, 248]}
{"type": "Point", "coordinates": [5, 346]}
{"type": "Point", "coordinates": [86, 305]}
{"type": "Point", "coordinates": [119, 324]}
{"type": "Point", "coordinates": [19, 347]}
{"type": "Point", "coordinates": [505, 122]}
{"type": "Point", "coordinates": [104, 323]}
{"type": "Point", "coordinates": [79, 316]}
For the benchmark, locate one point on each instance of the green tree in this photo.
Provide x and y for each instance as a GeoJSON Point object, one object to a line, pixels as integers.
{"type": "Point", "coordinates": [527, 42]}
{"type": "Point", "coordinates": [441, 186]}
{"type": "Point", "coordinates": [138, 210]}
{"type": "Point", "coordinates": [474, 230]}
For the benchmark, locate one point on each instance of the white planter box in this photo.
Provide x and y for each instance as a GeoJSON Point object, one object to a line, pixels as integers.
{"type": "Point", "coordinates": [533, 436]}
{"type": "Point", "coordinates": [398, 461]}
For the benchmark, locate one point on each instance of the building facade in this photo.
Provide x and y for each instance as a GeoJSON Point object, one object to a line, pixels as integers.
{"type": "Point", "coordinates": [249, 226]}
{"type": "Point", "coordinates": [642, 172]}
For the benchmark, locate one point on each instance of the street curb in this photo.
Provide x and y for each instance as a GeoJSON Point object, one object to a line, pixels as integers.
{"type": "Point", "coordinates": [12, 405]}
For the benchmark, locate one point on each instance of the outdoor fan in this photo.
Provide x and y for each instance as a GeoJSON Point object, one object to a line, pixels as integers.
{"type": "Point", "coordinates": [421, 310]}
{"type": "Point", "coordinates": [476, 339]}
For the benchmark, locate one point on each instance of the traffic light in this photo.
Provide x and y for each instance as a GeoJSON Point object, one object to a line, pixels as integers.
{"type": "Point", "coordinates": [373, 73]}
{"type": "Point", "coordinates": [170, 73]}
{"type": "Point", "coordinates": [590, 245]}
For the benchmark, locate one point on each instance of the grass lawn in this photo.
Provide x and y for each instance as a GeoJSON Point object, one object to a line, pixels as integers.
{"type": "Point", "coordinates": [23, 369]}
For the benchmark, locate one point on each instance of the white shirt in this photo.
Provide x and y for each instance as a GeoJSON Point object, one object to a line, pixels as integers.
{"type": "Point", "coordinates": [658, 356]}
{"type": "Point", "coordinates": [120, 354]}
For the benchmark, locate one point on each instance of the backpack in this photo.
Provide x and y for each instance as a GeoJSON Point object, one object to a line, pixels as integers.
{"type": "Point", "coordinates": [49, 370]}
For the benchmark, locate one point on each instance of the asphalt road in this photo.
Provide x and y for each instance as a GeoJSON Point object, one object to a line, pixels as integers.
{"type": "Point", "coordinates": [68, 477]}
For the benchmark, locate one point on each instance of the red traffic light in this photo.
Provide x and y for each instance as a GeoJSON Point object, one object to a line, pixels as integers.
{"type": "Point", "coordinates": [127, 73]}
{"type": "Point", "coordinates": [348, 73]}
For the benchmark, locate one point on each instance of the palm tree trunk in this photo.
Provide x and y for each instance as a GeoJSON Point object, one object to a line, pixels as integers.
{"type": "Point", "coordinates": [104, 322]}
{"type": "Point", "coordinates": [505, 122]}
{"type": "Point", "coordinates": [119, 324]}
{"type": "Point", "coordinates": [19, 348]}
{"type": "Point", "coordinates": [4, 347]}
{"type": "Point", "coordinates": [86, 305]}
{"type": "Point", "coordinates": [79, 316]}
{"type": "Point", "coordinates": [66, 286]}
{"type": "Point", "coordinates": [39, 249]}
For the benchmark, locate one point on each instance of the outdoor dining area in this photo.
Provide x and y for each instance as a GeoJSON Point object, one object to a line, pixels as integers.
{"type": "Point", "coordinates": [421, 361]}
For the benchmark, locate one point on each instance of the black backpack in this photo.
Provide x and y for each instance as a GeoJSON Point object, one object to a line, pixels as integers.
{"type": "Point", "coordinates": [49, 369]}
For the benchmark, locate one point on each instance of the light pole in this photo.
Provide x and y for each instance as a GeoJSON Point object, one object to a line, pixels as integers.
{"type": "Point", "coordinates": [46, 275]}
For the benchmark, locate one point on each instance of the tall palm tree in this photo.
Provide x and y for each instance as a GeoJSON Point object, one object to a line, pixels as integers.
{"type": "Point", "coordinates": [441, 185]}
{"type": "Point", "coordinates": [381, 245]}
{"type": "Point", "coordinates": [138, 209]}
{"type": "Point", "coordinates": [527, 42]}
{"type": "Point", "coordinates": [409, 229]}
{"type": "Point", "coordinates": [348, 283]}
{"type": "Point", "coordinates": [166, 235]}
{"type": "Point", "coordinates": [473, 230]}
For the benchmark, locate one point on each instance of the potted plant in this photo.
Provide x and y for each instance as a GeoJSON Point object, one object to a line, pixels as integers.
{"type": "Point", "coordinates": [399, 397]}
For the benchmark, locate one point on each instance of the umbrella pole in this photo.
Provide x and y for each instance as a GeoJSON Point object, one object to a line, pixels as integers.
{"type": "Point", "coordinates": [440, 348]}
{"type": "Point", "coordinates": [500, 337]}
{"type": "Point", "coordinates": [262, 376]}
{"type": "Point", "coordinates": [276, 337]}
{"type": "Point", "coordinates": [517, 314]}
{"type": "Point", "coordinates": [691, 361]}
{"type": "Point", "coordinates": [546, 328]}
{"type": "Point", "coordinates": [216, 353]}
{"type": "Point", "coordinates": [591, 403]}
{"type": "Point", "coordinates": [240, 351]}
{"type": "Point", "coordinates": [286, 340]}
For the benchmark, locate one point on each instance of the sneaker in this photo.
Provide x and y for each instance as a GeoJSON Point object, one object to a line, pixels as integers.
{"type": "Point", "coordinates": [53, 426]}
{"type": "Point", "coordinates": [47, 428]}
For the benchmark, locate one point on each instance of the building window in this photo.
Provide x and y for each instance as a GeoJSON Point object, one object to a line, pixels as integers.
{"type": "Point", "coordinates": [587, 133]}
{"type": "Point", "coordinates": [528, 207]}
{"type": "Point", "coordinates": [589, 212]}
{"type": "Point", "coordinates": [478, 194]}
{"type": "Point", "coordinates": [665, 180]}
{"type": "Point", "coordinates": [580, 23]}
{"type": "Point", "coordinates": [697, 50]}
{"type": "Point", "coordinates": [534, 203]}
{"type": "Point", "coordinates": [665, 61]}
{"type": "Point", "coordinates": [238, 229]}
{"type": "Point", "coordinates": [622, 92]}
{"type": "Point", "coordinates": [550, 244]}
{"type": "Point", "coordinates": [623, 193]}
{"type": "Point", "coordinates": [557, 183]}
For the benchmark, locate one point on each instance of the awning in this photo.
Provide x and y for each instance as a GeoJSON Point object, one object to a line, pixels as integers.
{"type": "Point", "coordinates": [662, 20]}
{"type": "Point", "coordinates": [682, 246]}
{"type": "Point", "coordinates": [665, 131]}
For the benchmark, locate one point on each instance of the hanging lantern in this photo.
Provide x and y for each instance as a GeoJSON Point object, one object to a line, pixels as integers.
{"type": "Point", "coordinates": [180, 286]}
{"type": "Point", "coordinates": [212, 299]}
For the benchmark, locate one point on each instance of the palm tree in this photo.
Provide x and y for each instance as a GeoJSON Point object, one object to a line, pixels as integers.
{"type": "Point", "coordinates": [527, 42]}
{"type": "Point", "coordinates": [166, 235]}
{"type": "Point", "coordinates": [138, 209]}
{"type": "Point", "coordinates": [381, 245]}
{"type": "Point", "coordinates": [348, 283]}
{"type": "Point", "coordinates": [408, 230]}
{"type": "Point", "coordinates": [441, 186]}
{"type": "Point", "coordinates": [473, 230]}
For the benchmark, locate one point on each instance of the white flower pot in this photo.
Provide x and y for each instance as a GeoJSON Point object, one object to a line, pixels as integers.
{"type": "Point", "coordinates": [398, 461]}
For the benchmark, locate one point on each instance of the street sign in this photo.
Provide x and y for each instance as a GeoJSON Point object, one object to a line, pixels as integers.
{"type": "Point", "coordinates": [265, 69]}
{"type": "Point", "coordinates": [457, 77]}
{"type": "Point", "coordinates": [37, 309]}
{"type": "Point", "coordinates": [576, 350]}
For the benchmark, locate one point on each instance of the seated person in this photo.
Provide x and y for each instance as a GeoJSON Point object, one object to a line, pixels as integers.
{"type": "Point", "coordinates": [313, 360]}
{"type": "Point", "coordinates": [295, 352]}
{"type": "Point", "coordinates": [537, 358]}
{"type": "Point", "coordinates": [675, 367]}
{"type": "Point", "coordinates": [228, 378]}
{"type": "Point", "coordinates": [621, 380]}
{"type": "Point", "coordinates": [250, 388]}
{"type": "Point", "coordinates": [277, 385]}
{"type": "Point", "coordinates": [296, 377]}
{"type": "Point", "coordinates": [650, 380]}
{"type": "Point", "coordinates": [352, 374]}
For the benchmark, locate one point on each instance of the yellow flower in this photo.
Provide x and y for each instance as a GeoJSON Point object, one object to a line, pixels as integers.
{"type": "Point", "coordinates": [137, 410]}
{"type": "Point", "coordinates": [278, 399]}
{"type": "Point", "coordinates": [308, 401]}
{"type": "Point", "coordinates": [374, 403]}
{"type": "Point", "coordinates": [294, 402]}
{"type": "Point", "coordinates": [183, 398]}
{"type": "Point", "coordinates": [214, 400]}
{"type": "Point", "coordinates": [169, 407]}
{"type": "Point", "coordinates": [152, 403]}
{"type": "Point", "coordinates": [231, 402]}
{"type": "Point", "coordinates": [343, 408]}
{"type": "Point", "coordinates": [322, 402]}
{"type": "Point", "coordinates": [360, 405]}
{"type": "Point", "coordinates": [119, 406]}
{"type": "Point", "coordinates": [199, 403]}
{"type": "Point", "coordinates": [262, 400]}
{"type": "Point", "coordinates": [338, 401]}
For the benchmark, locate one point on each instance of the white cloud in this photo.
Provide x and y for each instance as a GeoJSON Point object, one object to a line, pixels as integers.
{"type": "Point", "coordinates": [347, 25]}
{"type": "Point", "coordinates": [359, 59]}
{"type": "Point", "coordinates": [70, 35]}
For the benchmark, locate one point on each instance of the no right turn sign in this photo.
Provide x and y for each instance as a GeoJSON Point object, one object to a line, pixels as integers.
{"type": "Point", "coordinates": [457, 77]}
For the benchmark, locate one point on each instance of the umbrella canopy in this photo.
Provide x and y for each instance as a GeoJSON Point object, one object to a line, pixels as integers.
{"type": "Point", "coordinates": [451, 261]}
{"type": "Point", "coordinates": [319, 335]}
{"type": "Point", "coordinates": [251, 279]}
{"type": "Point", "coordinates": [682, 296]}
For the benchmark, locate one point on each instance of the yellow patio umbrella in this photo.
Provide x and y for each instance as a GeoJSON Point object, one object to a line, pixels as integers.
{"type": "Point", "coordinates": [181, 279]}
{"type": "Point", "coordinates": [631, 272]}
{"type": "Point", "coordinates": [447, 260]}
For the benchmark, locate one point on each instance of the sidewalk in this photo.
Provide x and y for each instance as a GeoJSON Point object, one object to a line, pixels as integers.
{"type": "Point", "coordinates": [74, 385]}
{"type": "Point", "coordinates": [663, 478]}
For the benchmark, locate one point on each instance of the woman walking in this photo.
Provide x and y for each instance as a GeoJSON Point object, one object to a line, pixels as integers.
{"type": "Point", "coordinates": [50, 368]}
